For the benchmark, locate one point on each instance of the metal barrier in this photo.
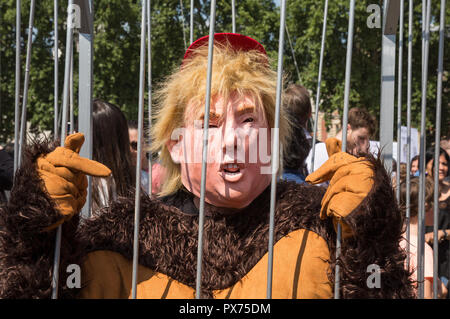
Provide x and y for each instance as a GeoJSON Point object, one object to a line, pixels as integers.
{"type": "Point", "coordinates": [205, 150]}
{"type": "Point", "coordinates": [17, 93]}
{"type": "Point", "coordinates": [139, 150]}
{"type": "Point", "coordinates": [348, 68]}
{"type": "Point", "coordinates": [23, 122]}
{"type": "Point", "coordinates": [68, 61]}
{"type": "Point", "coordinates": [421, 221]}
{"type": "Point", "coordinates": [275, 148]}
{"type": "Point", "coordinates": [408, 125]}
{"type": "Point", "coordinates": [319, 84]}
{"type": "Point", "coordinates": [436, 146]}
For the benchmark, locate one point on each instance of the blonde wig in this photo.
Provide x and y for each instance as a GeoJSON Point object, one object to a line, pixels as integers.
{"type": "Point", "coordinates": [234, 72]}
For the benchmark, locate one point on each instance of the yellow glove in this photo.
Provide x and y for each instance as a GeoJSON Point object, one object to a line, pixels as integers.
{"type": "Point", "coordinates": [64, 174]}
{"type": "Point", "coordinates": [351, 179]}
{"type": "Point", "coordinates": [333, 145]}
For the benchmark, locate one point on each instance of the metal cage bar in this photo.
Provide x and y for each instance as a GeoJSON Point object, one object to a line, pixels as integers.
{"type": "Point", "coordinates": [233, 15]}
{"type": "Point", "coordinates": [319, 84]}
{"type": "Point", "coordinates": [275, 148]}
{"type": "Point", "coordinates": [421, 220]}
{"type": "Point", "coordinates": [69, 52]}
{"type": "Point", "coordinates": [17, 92]}
{"type": "Point", "coordinates": [71, 106]}
{"type": "Point", "coordinates": [191, 26]}
{"type": "Point", "coordinates": [399, 98]}
{"type": "Point", "coordinates": [391, 12]}
{"type": "Point", "coordinates": [348, 69]}
{"type": "Point", "coordinates": [182, 20]}
{"type": "Point", "coordinates": [149, 72]}
{"type": "Point", "coordinates": [437, 148]}
{"type": "Point", "coordinates": [293, 54]}
{"type": "Point", "coordinates": [212, 22]}
{"type": "Point", "coordinates": [23, 121]}
{"type": "Point", "coordinates": [408, 127]}
{"type": "Point", "coordinates": [85, 88]}
{"type": "Point", "coordinates": [56, 61]}
{"type": "Point", "coordinates": [137, 207]}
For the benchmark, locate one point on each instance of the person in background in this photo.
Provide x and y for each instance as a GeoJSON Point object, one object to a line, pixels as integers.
{"type": "Point", "coordinates": [158, 171]}
{"type": "Point", "coordinates": [444, 212]}
{"type": "Point", "coordinates": [360, 128]}
{"type": "Point", "coordinates": [445, 144]}
{"type": "Point", "coordinates": [158, 175]}
{"type": "Point", "coordinates": [415, 165]}
{"type": "Point", "coordinates": [111, 148]}
{"type": "Point", "coordinates": [298, 109]}
{"type": "Point", "coordinates": [298, 102]}
{"type": "Point", "coordinates": [394, 172]}
{"type": "Point", "coordinates": [133, 134]}
{"type": "Point", "coordinates": [413, 239]}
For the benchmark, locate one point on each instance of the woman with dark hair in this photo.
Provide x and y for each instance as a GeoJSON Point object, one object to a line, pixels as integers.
{"type": "Point", "coordinates": [444, 212]}
{"type": "Point", "coordinates": [111, 148]}
{"type": "Point", "coordinates": [298, 109]}
{"type": "Point", "coordinates": [413, 239]}
{"type": "Point", "coordinates": [415, 165]}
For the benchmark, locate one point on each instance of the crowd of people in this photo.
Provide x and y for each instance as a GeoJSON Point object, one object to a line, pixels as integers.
{"type": "Point", "coordinates": [350, 188]}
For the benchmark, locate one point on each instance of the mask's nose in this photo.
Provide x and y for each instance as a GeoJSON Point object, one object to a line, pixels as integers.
{"type": "Point", "coordinates": [229, 142]}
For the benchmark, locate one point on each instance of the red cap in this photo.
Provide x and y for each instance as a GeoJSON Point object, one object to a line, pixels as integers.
{"type": "Point", "coordinates": [237, 41]}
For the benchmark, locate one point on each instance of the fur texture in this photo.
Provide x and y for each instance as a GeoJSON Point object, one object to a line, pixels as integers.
{"type": "Point", "coordinates": [378, 225]}
{"type": "Point", "coordinates": [26, 252]}
{"type": "Point", "coordinates": [232, 245]}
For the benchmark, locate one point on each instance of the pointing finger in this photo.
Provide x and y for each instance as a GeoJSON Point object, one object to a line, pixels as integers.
{"type": "Point", "coordinates": [70, 159]}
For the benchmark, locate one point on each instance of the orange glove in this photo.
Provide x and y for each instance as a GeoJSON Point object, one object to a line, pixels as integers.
{"type": "Point", "coordinates": [333, 145]}
{"type": "Point", "coordinates": [351, 179]}
{"type": "Point", "coordinates": [63, 172]}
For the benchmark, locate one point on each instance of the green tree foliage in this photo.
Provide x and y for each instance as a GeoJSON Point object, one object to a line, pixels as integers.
{"type": "Point", "coordinates": [304, 20]}
{"type": "Point", "coordinates": [117, 47]}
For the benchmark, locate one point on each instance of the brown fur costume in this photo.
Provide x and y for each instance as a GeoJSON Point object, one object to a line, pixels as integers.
{"type": "Point", "coordinates": [233, 244]}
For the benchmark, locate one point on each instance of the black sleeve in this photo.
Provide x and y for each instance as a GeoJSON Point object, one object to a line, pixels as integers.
{"type": "Point", "coordinates": [6, 170]}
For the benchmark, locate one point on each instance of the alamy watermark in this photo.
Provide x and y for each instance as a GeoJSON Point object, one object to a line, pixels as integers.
{"type": "Point", "coordinates": [237, 145]}
{"type": "Point", "coordinates": [374, 279]}
{"type": "Point", "coordinates": [74, 279]}
{"type": "Point", "coordinates": [374, 19]}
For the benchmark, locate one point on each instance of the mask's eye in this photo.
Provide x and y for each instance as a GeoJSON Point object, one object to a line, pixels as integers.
{"type": "Point", "coordinates": [211, 125]}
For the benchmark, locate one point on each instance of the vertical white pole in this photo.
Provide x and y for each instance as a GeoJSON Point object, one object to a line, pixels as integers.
{"type": "Point", "coordinates": [212, 22]}
{"type": "Point", "coordinates": [139, 151]}
{"type": "Point", "coordinates": [437, 148]}
{"type": "Point", "coordinates": [233, 15]}
{"type": "Point", "coordinates": [56, 60]}
{"type": "Point", "coordinates": [319, 82]}
{"type": "Point", "coordinates": [348, 70]}
{"type": "Point", "coordinates": [17, 103]}
{"type": "Point", "coordinates": [23, 122]}
{"type": "Point", "coordinates": [408, 141]}
{"type": "Point", "coordinates": [191, 29]}
{"type": "Point", "coordinates": [149, 72]}
{"type": "Point", "coordinates": [276, 148]}
{"type": "Point", "coordinates": [69, 44]}
{"type": "Point", "coordinates": [421, 220]}
{"type": "Point", "coordinates": [399, 98]}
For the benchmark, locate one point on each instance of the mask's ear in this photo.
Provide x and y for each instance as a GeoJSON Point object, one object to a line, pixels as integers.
{"type": "Point", "coordinates": [175, 146]}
